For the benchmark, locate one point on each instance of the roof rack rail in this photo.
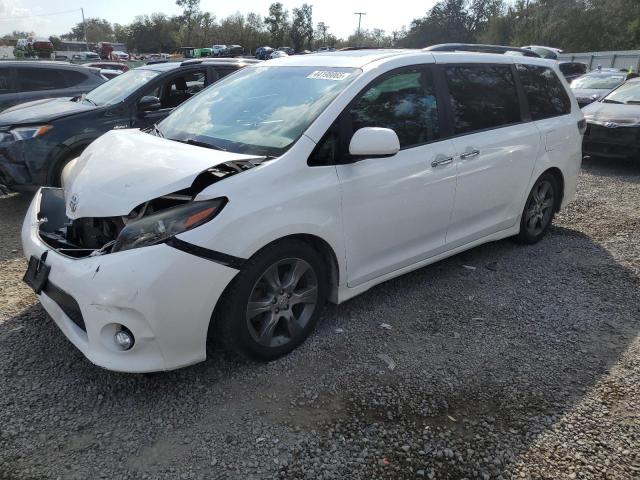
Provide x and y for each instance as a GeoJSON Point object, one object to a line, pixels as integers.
{"type": "Point", "coordinates": [479, 48]}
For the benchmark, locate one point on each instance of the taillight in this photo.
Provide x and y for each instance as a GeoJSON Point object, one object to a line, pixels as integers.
{"type": "Point", "coordinates": [582, 126]}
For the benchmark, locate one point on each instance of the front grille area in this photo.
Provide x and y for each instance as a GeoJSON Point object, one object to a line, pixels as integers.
{"type": "Point", "coordinates": [623, 135]}
{"type": "Point", "coordinates": [66, 302]}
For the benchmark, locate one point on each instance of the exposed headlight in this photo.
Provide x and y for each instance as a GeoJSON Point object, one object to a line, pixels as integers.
{"type": "Point", "coordinates": [158, 227]}
{"type": "Point", "coordinates": [25, 133]}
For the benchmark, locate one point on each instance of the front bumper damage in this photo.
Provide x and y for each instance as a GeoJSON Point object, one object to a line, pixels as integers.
{"type": "Point", "coordinates": [611, 142]}
{"type": "Point", "coordinates": [24, 163]}
{"type": "Point", "coordinates": [163, 295]}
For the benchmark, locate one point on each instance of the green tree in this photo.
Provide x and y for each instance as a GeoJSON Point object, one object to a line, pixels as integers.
{"type": "Point", "coordinates": [191, 16]}
{"type": "Point", "coordinates": [98, 30]}
{"type": "Point", "coordinates": [301, 33]}
{"type": "Point", "coordinates": [277, 23]}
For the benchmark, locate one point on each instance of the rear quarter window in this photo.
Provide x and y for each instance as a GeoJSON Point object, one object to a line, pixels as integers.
{"type": "Point", "coordinates": [545, 93]}
{"type": "Point", "coordinates": [73, 77]}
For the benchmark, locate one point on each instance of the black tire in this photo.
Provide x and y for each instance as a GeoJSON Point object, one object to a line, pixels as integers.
{"type": "Point", "coordinates": [532, 230]}
{"type": "Point", "coordinates": [232, 326]}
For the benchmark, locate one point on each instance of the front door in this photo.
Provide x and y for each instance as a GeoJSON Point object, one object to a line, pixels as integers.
{"type": "Point", "coordinates": [172, 92]}
{"type": "Point", "coordinates": [396, 210]}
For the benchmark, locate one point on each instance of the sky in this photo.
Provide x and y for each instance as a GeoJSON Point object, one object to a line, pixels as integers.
{"type": "Point", "coordinates": [55, 17]}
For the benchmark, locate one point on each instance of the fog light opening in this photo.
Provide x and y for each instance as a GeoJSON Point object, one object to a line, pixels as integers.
{"type": "Point", "coordinates": [124, 338]}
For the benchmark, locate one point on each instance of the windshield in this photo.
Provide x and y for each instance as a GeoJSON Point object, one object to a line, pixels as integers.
{"type": "Point", "coordinates": [598, 82]}
{"type": "Point", "coordinates": [629, 93]}
{"type": "Point", "coordinates": [258, 110]}
{"type": "Point", "coordinates": [116, 90]}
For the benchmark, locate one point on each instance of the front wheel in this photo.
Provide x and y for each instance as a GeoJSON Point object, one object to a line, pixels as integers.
{"type": "Point", "coordinates": [274, 303]}
{"type": "Point", "coordinates": [539, 210]}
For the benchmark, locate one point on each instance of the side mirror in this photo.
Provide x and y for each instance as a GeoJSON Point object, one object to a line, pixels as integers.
{"type": "Point", "coordinates": [149, 103]}
{"type": "Point", "coordinates": [374, 142]}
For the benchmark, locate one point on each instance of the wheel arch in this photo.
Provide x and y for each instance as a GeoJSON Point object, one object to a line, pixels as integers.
{"type": "Point", "coordinates": [559, 177]}
{"type": "Point", "coordinates": [61, 155]}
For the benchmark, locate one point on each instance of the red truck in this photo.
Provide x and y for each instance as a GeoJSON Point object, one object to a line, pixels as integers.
{"type": "Point", "coordinates": [104, 49]}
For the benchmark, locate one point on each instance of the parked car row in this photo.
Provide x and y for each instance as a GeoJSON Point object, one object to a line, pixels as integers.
{"type": "Point", "coordinates": [290, 183]}
{"type": "Point", "coordinates": [40, 137]}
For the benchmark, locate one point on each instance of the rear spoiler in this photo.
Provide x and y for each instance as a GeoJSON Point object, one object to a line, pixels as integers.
{"type": "Point", "coordinates": [479, 48]}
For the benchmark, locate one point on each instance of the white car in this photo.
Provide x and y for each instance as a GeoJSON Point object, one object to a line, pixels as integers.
{"type": "Point", "coordinates": [218, 50]}
{"type": "Point", "coordinates": [118, 55]}
{"type": "Point", "coordinates": [290, 183]}
{"type": "Point", "coordinates": [278, 54]}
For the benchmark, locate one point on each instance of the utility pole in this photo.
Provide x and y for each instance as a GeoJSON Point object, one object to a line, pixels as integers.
{"type": "Point", "coordinates": [360, 14]}
{"type": "Point", "coordinates": [84, 27]}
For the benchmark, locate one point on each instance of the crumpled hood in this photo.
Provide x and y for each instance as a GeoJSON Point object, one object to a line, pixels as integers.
{"type": "Point", "coordinates": [601, 113]}
{"type": "Point", "coordinates": [43, 111]}
{"type": "Point", "coordinates": [125, 168]}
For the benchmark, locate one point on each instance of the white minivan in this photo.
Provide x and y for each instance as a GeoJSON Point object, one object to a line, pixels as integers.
{"type": "Point", "coordinates": [291, 183]}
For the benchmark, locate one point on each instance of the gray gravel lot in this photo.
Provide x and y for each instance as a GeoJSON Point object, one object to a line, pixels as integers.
{"type": "Point", "coordinates": [526, 367]}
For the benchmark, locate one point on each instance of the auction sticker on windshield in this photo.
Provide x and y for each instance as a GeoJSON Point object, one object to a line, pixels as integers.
{"type": "Point", "coordinates": [328, 75]}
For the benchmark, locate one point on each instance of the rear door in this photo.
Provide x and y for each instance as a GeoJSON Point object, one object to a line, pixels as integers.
{"type": "Point", "coordinates": [396, 210]}
{"type": "Point", "coordinates": [496, 148]}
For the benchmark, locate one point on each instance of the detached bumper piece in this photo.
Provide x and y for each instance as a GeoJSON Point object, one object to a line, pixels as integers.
{"type": "Point", "coordinates": [66, 303]}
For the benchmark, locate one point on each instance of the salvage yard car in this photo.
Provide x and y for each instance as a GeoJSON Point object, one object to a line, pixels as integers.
{"type": "Point", "coordinates": [595, 85]}
{"type": "Point", "coordinates": [23, 81]}
{"type": "Point", "coordinates": [291, 182]}
{"type": "Point", "coordinates": [613, 123]}
{"type": "Point", "coordinates": [37, 139]}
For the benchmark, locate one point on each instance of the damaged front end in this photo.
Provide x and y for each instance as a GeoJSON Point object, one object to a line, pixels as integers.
{"type": "Point", "coordinates": [152, 222]}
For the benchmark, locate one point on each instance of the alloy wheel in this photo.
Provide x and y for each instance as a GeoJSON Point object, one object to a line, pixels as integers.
{"type": "Point", "coordinates": [282, 302]}
{"type": "Point", "coordinates": [539, 209]}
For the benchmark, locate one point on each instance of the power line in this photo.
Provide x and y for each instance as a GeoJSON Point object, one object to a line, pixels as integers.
{"type": "Point", "coordinates": [40, 15]}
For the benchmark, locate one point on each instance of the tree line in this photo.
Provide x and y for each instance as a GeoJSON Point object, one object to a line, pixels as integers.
{"type": "Point", "coordinates": [573, 25]}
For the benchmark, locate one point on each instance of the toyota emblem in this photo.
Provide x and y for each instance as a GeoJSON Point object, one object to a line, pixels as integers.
{"type": "Point", "coordinates": [73, 203]}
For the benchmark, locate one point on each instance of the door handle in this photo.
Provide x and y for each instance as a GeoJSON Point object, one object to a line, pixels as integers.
{"type": "Point", "coordinates": [441, 160]}
{"type": "Point", "coordinates": [470, 154]}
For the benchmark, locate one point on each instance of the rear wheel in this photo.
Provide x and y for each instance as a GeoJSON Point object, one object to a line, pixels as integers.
{"type": "Point", "coordinates": [274, 303]}
{"type": "Point", "coordinates": [539, 210]}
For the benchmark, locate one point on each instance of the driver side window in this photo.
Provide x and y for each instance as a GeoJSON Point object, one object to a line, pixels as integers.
{"type": "Point", "coordinates": [404, 101]}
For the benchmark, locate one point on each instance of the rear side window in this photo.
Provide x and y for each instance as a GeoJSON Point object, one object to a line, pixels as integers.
{"type": "Point", "coordinates": [404, 102]}
{"type": "Point", "coordinates": [74, 77]}
{"type": "Point", "coordinates": [35, 79]}
{"type": "Point", "coordinates": [6, 85]}
{"type": "Point", "coordinates": [544, 91]}
{"type": "Point", "coordinates": [482, 97]}
{"type": "Point", "coordinates": [223, 72]}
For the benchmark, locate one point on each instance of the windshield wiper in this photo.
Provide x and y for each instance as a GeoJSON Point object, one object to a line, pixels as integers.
{"type": "Point", "coordinates": [157, 131]}
{"type": "Point", "coordinates": [606, 100]}
{"type": "Point", "coordinates": [90, 101]}
{"type": "Point", "coordinates": [191, 141]}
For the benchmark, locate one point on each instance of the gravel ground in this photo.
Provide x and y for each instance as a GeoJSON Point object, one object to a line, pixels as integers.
{"type": "Point", "coordinates": [527, 366]}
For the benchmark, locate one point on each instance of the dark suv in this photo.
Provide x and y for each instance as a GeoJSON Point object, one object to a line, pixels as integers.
{"type": "Point", "coordinates": [37, 139]}
{"type": "Point", "coordinates": [22, 81]}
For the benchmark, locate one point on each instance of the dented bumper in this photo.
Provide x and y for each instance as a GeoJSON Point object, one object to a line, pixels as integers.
{"type": "Point", "coordinates": [163, 295]}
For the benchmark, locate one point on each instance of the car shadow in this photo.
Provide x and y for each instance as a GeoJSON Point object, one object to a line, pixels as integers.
{"type": "Point", "coordinates": [624, 169]}
{"type": "Point", "coordinates": [503, 337]}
